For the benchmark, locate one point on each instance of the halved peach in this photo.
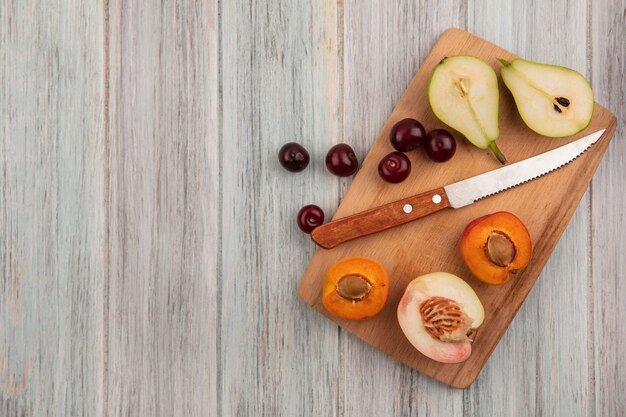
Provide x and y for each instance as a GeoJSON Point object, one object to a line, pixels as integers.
{"type": "Point", "coordinates": [438, 314]}
{"type": "Point", "coordinates": [495, 247]}
{"type": "Point", "coordinates": [355, 288]}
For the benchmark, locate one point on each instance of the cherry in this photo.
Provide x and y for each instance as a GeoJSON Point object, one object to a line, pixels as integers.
{"type": "Point", "coordinates": [293, 157]}
{"type": "Point", "coordinates": [309, 217]}
{"type": "Point", "coordinates": [407, 134]}
{"type": "Point", "coordinates": [395, 167]}
{"type": "Point", "coordinates": [341, 160]}
{"type": "Point", "coordinates": [440, 145]}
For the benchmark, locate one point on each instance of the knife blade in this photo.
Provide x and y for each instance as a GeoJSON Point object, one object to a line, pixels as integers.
{"type": "Point", "coordinates": [455, 195]}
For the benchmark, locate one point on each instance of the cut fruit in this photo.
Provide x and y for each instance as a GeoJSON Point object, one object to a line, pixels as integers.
{"type": "Point", "coordinates": [553, 101]}
{"type": "Point", "coordinates": [438, 314]}
{"type": "Point", "coordinates": [496, 247]}
{"type": "Point", "coordinates": [355, 288]}
{"type": "Point", "coordinates": [463, 93]}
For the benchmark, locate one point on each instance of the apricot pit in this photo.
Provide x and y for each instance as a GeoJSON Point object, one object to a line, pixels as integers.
{"type": "Point", "coordinates": [353, 287]}
{"type": "Point", "coordinates": [499, 249]}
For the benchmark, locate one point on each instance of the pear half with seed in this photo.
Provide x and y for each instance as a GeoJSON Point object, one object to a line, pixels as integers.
{"type": "Point", "coordinates": [553, 101]}
{"type": "Point", "coordinates": [463, 93]}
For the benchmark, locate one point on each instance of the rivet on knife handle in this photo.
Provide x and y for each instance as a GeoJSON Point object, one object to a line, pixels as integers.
{"type": "Point", "coordinates": [380, 218]}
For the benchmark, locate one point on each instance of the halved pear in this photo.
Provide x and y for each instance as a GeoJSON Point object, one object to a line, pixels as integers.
{"type": "Point", "coordinates": [463, 93]}
{"type": "Point", "coordinates": [438, 314]}
{"type": "Point", "coordinates": [553, 101]}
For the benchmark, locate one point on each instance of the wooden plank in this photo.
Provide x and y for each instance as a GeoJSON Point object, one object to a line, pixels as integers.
{"type": "Point", "coordinates": [164, 215]}
{"type": "Point", "coordinates": [52, 217]}
{"type": "Point", "coordinates": [542, 365]}
{"type": "Point", "coordinates": [383, 48]}
{"type": "Point", "coordinates": [608, 242]}
{"type": "Point", "coordinates": [545, 205]}
{"type": "Point", "coordinates": [281, 83]}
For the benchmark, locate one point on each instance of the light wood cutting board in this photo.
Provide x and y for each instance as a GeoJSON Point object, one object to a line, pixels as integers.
{"type": "Point", "coordinates": [430, 244]}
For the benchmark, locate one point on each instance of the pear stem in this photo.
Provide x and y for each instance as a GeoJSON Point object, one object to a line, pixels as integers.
{"type": "Point", "coordinates": [494, 148]}
{"type": "Point", "coordinates": [504, 62]}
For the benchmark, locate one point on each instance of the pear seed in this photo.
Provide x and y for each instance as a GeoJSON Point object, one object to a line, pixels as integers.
{"type": "Point", "coordinates": [563, 101]}
{"type": "Point", "coordinates": [557, 108]}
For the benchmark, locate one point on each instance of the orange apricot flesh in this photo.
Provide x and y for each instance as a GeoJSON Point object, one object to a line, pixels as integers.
{"type": "Point", "coordinates": [495, 247]}
{"type": "Point", "coordinates": [355, 288]}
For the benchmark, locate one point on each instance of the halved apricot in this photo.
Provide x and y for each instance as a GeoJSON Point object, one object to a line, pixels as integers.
{"type": "Point", "coordinates": [495, 247]}
{"type": "Point", "coordinates": [355, 288]}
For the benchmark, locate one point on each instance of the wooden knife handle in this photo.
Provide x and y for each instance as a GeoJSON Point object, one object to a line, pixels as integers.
{"type": "Point", "coordinates": [380, 218]}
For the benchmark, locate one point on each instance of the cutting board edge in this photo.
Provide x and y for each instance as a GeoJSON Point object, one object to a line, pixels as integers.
{"type": "Point", "coordinates": [464, 378]}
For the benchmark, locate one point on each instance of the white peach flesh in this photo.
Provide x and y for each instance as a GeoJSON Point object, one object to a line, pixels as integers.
{"type": "Point", "coordinates": [438, 284]}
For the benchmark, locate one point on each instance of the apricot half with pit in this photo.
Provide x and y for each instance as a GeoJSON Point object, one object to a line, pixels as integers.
{"type": "Point", "coordinates": [355, 288]}
{"type": "Point", "coordinates": [495, 247]}
{"type": "Point", "coordinates": [438, 314]}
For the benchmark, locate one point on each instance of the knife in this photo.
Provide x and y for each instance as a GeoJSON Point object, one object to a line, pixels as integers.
{"type": "Point", "coordinates": [456, 195]}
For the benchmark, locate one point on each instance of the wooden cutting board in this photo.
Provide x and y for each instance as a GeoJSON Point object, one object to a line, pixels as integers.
{"type": "Point", "coordinates": [431, 244]}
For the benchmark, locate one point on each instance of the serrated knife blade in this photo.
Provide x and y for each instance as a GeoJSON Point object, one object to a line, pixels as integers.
{"type": "Point", "coordinates": [455, 195]}
{"type": "Point", "coordinates": [472, 189]}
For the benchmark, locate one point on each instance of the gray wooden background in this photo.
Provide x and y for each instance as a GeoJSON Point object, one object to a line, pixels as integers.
{"type": "Point", "coordinates": [149, 257]}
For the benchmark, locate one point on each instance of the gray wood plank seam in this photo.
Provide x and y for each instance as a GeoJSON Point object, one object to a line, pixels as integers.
{"type": "Point", "coordinates": [107, 203]}
{"type": "Point", "coordinates": [608, 63]}
{"type": "Point", "coordinates": [220, 216]}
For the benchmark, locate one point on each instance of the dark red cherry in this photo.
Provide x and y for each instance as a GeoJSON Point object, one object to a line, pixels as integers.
{"type": "Point", "coordinates": [293, 157]}
{"type": "Point", "coordinates": [341, 160]}
{"type": "Point", "coordinates": [395, 167]}
{"type": "Point", "coordinates": [440, 145]}
{"type": "Point", "coordinates": [309, 217]}
{"type": "Point", "coordinates": [407, 135]}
